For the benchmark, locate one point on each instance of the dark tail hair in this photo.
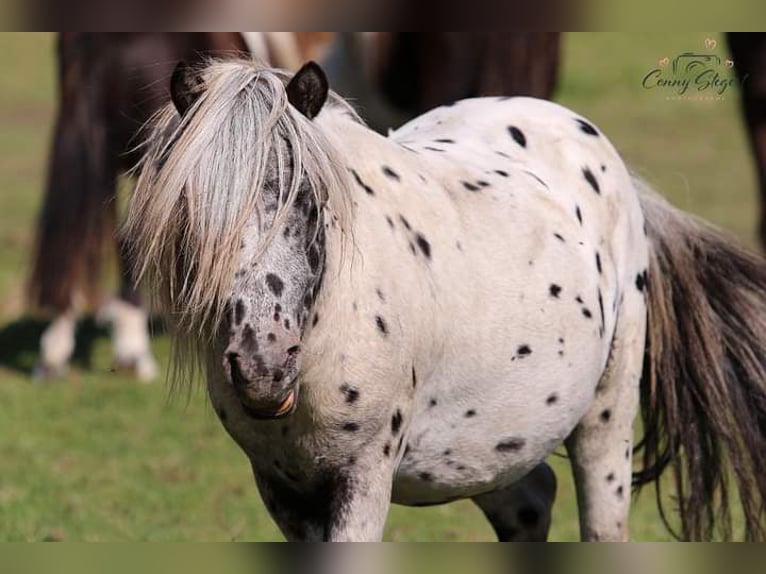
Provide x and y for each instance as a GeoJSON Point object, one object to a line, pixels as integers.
{"type": "Point", "coordinates": [78, 209]}
{"type": "Point", "coordinates": [703, 395]}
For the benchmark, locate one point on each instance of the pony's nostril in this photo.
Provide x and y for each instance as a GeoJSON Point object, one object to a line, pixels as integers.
{"type": "Point", "coordinates": [293, 350]}
{"type": "Point", "coordinates": [236, 373]}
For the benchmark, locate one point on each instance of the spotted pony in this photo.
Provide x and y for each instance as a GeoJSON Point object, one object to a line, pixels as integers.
{"type": "Point", "coordinates": [425, 317]}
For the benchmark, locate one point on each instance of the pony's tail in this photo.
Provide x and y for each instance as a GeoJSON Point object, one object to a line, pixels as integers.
{"type": "Point", "coordinates": [703, 391]}
{"type": "Point", "coordinates": [78, 208]}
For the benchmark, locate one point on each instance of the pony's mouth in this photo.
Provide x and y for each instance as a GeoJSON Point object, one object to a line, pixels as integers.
{"type": "Point", "coordinates": [284, 409]}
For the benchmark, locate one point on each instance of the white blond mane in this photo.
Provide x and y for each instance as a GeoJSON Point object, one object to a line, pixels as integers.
{"type": "Point", "coordinates": [201, 180]}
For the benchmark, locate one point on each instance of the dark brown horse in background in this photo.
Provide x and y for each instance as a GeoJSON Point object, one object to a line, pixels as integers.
{"type": "Point", "coordinates": [748, 51]}
{"type": "Point", "coordinates": [392, 77]}
{"type": "Point", "coordinates": [110, 85]}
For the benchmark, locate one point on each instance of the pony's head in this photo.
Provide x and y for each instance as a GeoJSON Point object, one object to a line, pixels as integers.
{"type": "Point", "coordinates": [227, 221]}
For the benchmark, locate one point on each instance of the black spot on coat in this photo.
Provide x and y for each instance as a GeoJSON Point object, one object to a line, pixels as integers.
{"type": "Point", "coordinates": [601, 309]}
{"type": "Point", "coordinates": [551, 400]}
{"type": "Point", "coordinates": [423, 244]}
{"type": "Point", "coordinates": [390, 173]}
{"type": "Point", "coordinates": [361, 183]}
{"type": "Point", "coordinates": [239, 311]}
{"type": "Point", "coordinates": [591, 179]}
{"type": "Point", "coordinates": [554, 290]}
{"type": "Point", "coordinates": [396, 421]}
{"type": "Point", "coordinates": [518, 136]}
{"type": "Point", "coordinates": [351, 393]}
{"type": "Point", "coordinates": [275, 284]}
{"type": "Point", "coordinates": [510, 445]}
{"type": "Point", "coordinates": [381, 324]}
{"type": "Point", "coordinates": [523, 350]}
{"type": "Point", "coordinates": [587, 128]}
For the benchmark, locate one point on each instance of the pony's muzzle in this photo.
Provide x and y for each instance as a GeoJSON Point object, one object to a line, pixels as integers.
{"type": "Point", "coordinates": [264, 390]}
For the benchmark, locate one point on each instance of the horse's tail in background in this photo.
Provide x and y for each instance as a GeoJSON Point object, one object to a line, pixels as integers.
{"type": "Point", "coordinates": [703, 391]}
{"type": "Point", "coordinates": [77, 212]}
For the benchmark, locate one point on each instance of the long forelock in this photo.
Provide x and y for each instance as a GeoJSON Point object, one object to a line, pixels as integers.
{"type": "Point", "coordinates": [202, 178]}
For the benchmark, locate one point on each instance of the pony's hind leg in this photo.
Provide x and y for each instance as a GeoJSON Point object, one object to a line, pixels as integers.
{"type": "Point", "coordinates": [600, 447]}
{"type": "Point", "coordinates": [522, 512]}
{"type": "Point", "coordinates": [56, 346]}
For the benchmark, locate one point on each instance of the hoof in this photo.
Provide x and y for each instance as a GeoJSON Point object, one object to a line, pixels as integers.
{"type": "Point", "coordinates": [146, 369]}
{"type": "Point", "coordinates": [143, 368]}
{"type": "Point", "coordinates": [43, 373]}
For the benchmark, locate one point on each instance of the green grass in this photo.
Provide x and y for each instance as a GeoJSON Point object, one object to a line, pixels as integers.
{"type": "Point", "coordinates": [100, 457]}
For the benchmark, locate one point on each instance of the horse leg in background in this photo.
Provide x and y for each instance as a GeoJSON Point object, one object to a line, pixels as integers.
{"type": "Point", "coordinates": [600, 447]}
{"type": "Point", "coordinates": [57, 346]}
{"type": "Point", "coordinates": [72, 223]}
{"type": "Point", "coordinates": [749, 55]}
{"type": "Point", "coordinates": [130, 324]}
{"type": "Point", "coordinates": [522, 511]}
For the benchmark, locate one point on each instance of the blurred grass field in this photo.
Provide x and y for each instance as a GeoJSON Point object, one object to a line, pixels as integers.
{"type": "Point", "coordinates": [100, 457]}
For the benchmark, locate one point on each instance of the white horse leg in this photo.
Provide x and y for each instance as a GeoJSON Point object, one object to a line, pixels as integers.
{"type": "Point", "coordinates": [130, 338]}
{"type": "Point", "coordinates": [522, 511]}
{"type": "Point", "coordinates": [57, 346]}
{"type": "Point", "coordinates": [600, 447]}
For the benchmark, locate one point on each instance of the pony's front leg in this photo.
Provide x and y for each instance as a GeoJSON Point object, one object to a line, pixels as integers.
{"type": "Point", "coordinates": [347, 504]}
{"type": "Point", "coordinates": [361, 512]}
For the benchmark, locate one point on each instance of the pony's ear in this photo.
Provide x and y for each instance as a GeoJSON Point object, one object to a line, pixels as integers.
{"type": "Point", "coordinates": [184, 87]}
{"type": "Point", "coordinates": [307, 90]}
